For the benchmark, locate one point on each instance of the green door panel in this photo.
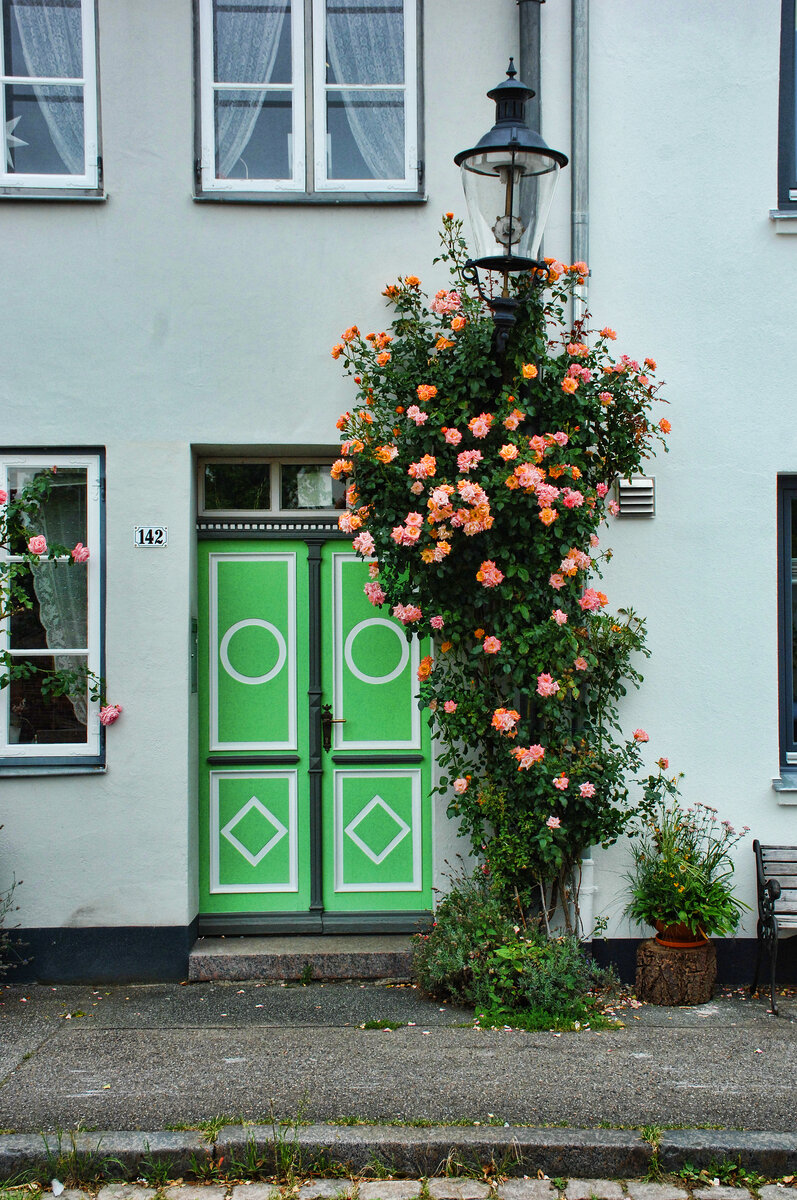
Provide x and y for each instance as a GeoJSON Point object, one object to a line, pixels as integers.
{"type": "Point", "coordinates": [255, 788]}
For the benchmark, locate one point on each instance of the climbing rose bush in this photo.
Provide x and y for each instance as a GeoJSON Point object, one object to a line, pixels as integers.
{"type": "Point", "coordinates": [478, 490]}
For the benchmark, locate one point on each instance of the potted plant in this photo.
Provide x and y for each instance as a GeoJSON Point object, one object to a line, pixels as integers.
{"type": "Point", "coordinates": [682, 876]}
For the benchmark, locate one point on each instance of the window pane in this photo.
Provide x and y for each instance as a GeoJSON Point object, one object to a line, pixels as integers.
{"type": "Point", "coordinates": [58, 615]}
{"type": "Point", "coordinates": [43, 38]}
{"type": "Point", "coordinates": [44, 130]}
{"type": "Point", "coordinates": [793, 563]}
{"type": "Point", "coordinates": [311, 486]}
{"type": "Point", "coordinates": [62, 515]}
{"type": "Point", "coordinates": [252, 41]}
{"type": "Point", "coordinates": [253, 135]}
{"type": "Point", "coordinates": [366, 135]}
{"type": "Point", "coordinates": [237, 487]}
{"type": "Point", "coordinates": [365, 41]}
{"type": "Point", "coordinates": [35, 717]}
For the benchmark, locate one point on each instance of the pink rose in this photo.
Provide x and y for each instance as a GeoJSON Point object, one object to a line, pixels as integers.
{"type": "Point", "coordinates": [640, 736]}
{"type": "Point", "coordinates": [581, 663]}
{"type": "Point", "coordinates": [81, 553]}
{"type": "Point", "coordinates": [553, 822]}
{"type": "Point", "coordinates": [453, 437]}
{"type": "Point", "coordinates": [587, 790]}
{"type": "Point", "coordinates": [602, 489]}
{"type": "Point", "coordinates": [3, 496]}
{"type": "Point", "coordinates": [491, 645]}
{"type": "Point", "coordinates": [110, 713]}
{"type": "Point", "coordinates": [557, 581]}
{"type": "Point", "coordinates": [38, 544]}
{"type": "Point", "coordinates": [364, 543]}
{"type": "Point", "coordinates": [450, 706]}
{"type": "Point", "coordinates": [436, 622]}
{"type": "Point", "coordinates": [561, 782]}
{"type": "Point", "coordinates": [460, 786]}
{"type": "Point", "coordinates": [559, 616]}
{"type": "Point", "coordinates": [374, 593]}
{"type": "Point", "coordinates": [527, 755]}
{"type": "Point", "coordinates": [547, 686]}
{"type": "Point", "coordinates": [613, 507]}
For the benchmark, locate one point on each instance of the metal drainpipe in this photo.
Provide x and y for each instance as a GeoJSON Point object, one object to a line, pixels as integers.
{"type": "Point", "coordinates": [529, 56]}
{"type": "Point", "coordinates": [579, 160]}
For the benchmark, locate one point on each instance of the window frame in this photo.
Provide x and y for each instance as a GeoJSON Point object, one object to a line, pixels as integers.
{"type": "Point", "coordinates": [787, 496]}
{"type": "Point", "coordinates": [90, 183]}
{"type": "Point", "coordinates": [309, 183]}
{"type": "Point", "coordinates": [275, 463]}
{"type": "Point", "coordinates": [787, 124]}
{"type": "Point", "coordinates": [91, 754]}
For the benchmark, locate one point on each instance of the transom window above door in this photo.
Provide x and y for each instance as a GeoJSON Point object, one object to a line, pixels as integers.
{"type": "Point", "coordinates": [48, 97]}
{"type": "Point", "coordinates": [252, 487]}
{"type": "Point", "coordinates": [308, 98]}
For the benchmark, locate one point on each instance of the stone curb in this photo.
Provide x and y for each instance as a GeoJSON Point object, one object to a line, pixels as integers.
{"type": "Point", "coordinates": [405, 1151]}
{"type": "Point", "coordinates": [116, 1155]}
{"type": "Point", "coordinates": [772, 1154]}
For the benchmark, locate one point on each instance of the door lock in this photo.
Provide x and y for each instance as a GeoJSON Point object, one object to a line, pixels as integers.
{"type": "Point", "coordinates": [327, 721]}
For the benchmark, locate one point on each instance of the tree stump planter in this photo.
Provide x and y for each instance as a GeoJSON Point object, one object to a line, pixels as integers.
{"type": "Point", "coordinates": [668, 976]}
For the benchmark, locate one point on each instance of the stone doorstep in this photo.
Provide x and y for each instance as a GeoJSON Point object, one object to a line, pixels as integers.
{"type": "Point", "coordinates": [237, 959]}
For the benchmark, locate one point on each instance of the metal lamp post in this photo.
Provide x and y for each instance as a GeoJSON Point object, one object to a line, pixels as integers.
{"type": "Point", "coordinates": [509, 179]}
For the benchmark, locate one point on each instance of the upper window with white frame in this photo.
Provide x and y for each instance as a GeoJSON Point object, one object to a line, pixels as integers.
{"type": "Point", "coordinates": [48, 97]}
{"type": "Point", "coordinates": [308, 98]}
{"type": "Point", "coordinates": [51, 626]}
{"type": "Point", "coordinates": [787, 123]}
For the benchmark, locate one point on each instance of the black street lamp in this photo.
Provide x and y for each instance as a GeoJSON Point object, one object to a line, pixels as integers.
{"type": "Point", "coordinates": [509, 179]}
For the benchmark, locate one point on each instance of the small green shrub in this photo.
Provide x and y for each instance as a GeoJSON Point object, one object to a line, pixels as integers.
{"type": "Point", "coordinates": [477, 954]}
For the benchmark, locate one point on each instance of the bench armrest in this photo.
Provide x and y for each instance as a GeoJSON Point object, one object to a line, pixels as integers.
{"type": "Point", "coordinates": [774, 888]}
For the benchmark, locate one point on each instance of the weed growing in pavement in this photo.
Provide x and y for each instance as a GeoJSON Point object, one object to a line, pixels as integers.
{"type": "Point", "coordinates": [726, 1172]}
{"type": "Point", "coordinates": [156, 1171]}
{"type": "Point", "coordinates": [379, 1167]}
{"type": "Point", "coordinates": [383, 1024]}
{"type": "Point", "coordinates": [306, 976]}
{"type": "Point", "coordinates": [73, 1165]}
{"type": "Point", "coordinates": [652, 1135]}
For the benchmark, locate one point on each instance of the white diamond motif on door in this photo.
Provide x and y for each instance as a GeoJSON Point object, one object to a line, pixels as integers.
{"type": "Point", "coordinates": [252, 831]}
{"type": "Point", "coordinates": [273, 826]}
{"type": "Point", "coordinates": [375, 856]}
{"type": "Point", "coordinates": [377, 832]}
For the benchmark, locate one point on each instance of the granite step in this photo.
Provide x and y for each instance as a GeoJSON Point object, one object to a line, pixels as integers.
{"type": "Point", "coordinates": [306, 958]}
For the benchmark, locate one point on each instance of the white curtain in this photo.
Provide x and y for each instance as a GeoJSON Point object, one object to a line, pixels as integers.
{"type": "Point", "coordinates": [246, 44]}
{"type": "Point", "coordinates": [365, 47]}
{"type": "Point", "coordinates": [51, 37]}
{"type": "Point", "coordinates": [62, 589]}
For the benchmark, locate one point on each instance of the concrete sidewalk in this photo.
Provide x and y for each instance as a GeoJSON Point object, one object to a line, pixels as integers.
{"type": "Point", "coordinates": [152, 1057]}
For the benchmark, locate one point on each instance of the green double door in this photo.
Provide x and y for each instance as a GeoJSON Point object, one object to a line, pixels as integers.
{"type": "Point", "coordinates": [314, 756]}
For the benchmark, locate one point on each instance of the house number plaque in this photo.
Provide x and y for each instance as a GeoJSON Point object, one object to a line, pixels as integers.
{"type": "Point", "coordinates": [151, 535]}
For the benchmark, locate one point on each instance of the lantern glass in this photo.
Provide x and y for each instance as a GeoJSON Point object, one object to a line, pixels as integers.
{"type": "Point", "coordinates": [508, 192]}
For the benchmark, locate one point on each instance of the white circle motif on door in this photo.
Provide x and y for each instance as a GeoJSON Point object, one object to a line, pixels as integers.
{"type": "Point", "coordinates": [357, 629]}
{"type": "Point", "coordinates": [253, 679]}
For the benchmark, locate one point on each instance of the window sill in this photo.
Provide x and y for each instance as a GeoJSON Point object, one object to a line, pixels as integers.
{"type": "Point", "coordinates": [784, 219]}
{"type": "Point", "coordinates": [317, 198]}
{"type": "Point", "coordinates": [76, 195]}
{"type": "Point", "coordinates": [786, 786]}
{"type": "Point", "coordinates": [32, 769]}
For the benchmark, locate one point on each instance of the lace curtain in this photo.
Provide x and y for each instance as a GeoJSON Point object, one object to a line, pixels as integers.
{"type": "Point", "coordinates": [366, 47]}
{"type": "Point", "coordinates": [51, 38]}
{"type": "Point", "coordinates": [61, 589]}
{"type": "Point", "coordinates": [247, 40]}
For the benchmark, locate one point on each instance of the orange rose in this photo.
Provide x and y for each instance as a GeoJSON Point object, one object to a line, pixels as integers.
{"type": "Point", "coordinates": [412, 281]}
{"type": "Point", "coordinates": [446, 646]}
{"type": "Point", "coordinates": [458, 323]}
{"type": "Point", "coordinates": [548, 515]}
{"type": "Point", "coordinates": [425, 667]}
{"type": "Point", "coordinates": [336, 351]}
{"type": "Point", "coordinates": [569, 385]}
{"type": "Point", "coordinates": [426, 391]}
{"type": "Point", "coordinates": [383, 358]}
{"type": "Point", "coordinates": [664, 425]}
{"type": "Point", "coordinates": [529, 371]}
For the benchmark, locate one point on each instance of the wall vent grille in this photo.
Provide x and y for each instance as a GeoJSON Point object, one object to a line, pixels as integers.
{"type": "Point", "coordinates": [637, 496]}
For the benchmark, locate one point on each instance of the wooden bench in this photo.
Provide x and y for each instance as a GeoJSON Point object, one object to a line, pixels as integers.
{"type": "Point", "coordinates": [776, 877]}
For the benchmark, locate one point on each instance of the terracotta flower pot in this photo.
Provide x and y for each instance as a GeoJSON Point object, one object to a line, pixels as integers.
{"type": "Point", "coordinates": [678, 937]}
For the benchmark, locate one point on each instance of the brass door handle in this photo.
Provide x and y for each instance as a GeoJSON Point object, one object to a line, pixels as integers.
{"type": "Point", "coordinates": [327, 721]}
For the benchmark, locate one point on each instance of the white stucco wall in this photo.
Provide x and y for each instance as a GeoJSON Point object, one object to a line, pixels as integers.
{"type": "Point", "coordinates": [152, 323]}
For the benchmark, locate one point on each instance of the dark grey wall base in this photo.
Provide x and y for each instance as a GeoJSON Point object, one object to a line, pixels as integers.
{"type": "Point", "coordinates": [126, 954]}
{"type": "Point", "coordinates": [160, 954]}
{"type": "Point", "coordinates": [735, 960]}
